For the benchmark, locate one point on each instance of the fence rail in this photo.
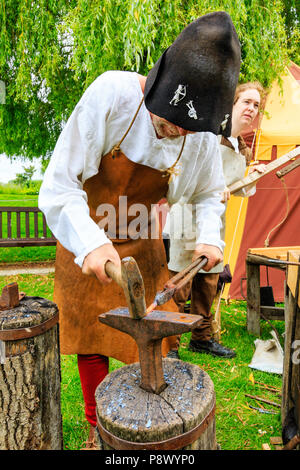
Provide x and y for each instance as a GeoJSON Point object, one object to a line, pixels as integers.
{"type": "Point", "coordinates": [24, 226]}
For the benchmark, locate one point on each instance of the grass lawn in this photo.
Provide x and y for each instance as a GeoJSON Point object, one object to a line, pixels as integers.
{"type": "Point", "coordinates": [238, 427]}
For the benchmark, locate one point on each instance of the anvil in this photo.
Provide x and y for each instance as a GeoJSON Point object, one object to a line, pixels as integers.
{"type": "Point", "coordinates": [148, 330]}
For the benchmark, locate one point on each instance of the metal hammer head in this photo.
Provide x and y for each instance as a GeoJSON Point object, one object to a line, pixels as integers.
{"type": "Point", "coordinates": [130, 279]}
{"type": "Point", "coordinates": [133, 286]}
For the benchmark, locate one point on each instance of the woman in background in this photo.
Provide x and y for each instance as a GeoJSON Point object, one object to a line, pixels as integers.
{"type": "Point", "coordinates": [236, 156]}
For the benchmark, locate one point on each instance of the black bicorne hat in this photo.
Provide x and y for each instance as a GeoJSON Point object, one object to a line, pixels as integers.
{"type": "Point", "coordinates": [193, 83]}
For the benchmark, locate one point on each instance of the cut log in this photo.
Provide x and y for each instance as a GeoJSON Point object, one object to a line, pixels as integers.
{"type": "Point", "coordinates": [30, 414]}
{"type": "Point", "coordinates": [180, 417]}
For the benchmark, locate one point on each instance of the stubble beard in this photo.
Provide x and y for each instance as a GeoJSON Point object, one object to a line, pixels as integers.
{"type": "Point", "coordinates": [164, 129]}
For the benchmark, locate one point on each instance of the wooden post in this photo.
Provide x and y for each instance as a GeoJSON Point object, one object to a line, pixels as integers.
{"type": "Point", "coordinates": [253, 298]}
{"type": "Point", "coordinates": [216, 322]}
{"type": "Point", "coordinates": [30, 415]}
{"type": "Point", "coordinates": [291, 366]}
{"type": "Point", "coordinates": [180, 417]}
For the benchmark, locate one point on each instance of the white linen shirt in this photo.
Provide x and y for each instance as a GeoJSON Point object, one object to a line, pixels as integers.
{"type": "Point", "coordinates": [97, 123]}
{"type": "Point", "coordinates": [182, 233]}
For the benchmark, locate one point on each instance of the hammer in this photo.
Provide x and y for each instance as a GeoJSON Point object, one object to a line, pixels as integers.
{"type": "Point", "coordinates": [130, 279]}
{"type": "Point", "coordinates": [148, 330]}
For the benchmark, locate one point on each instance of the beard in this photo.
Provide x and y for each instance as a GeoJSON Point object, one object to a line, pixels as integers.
{"type": "Point", "coordinates": [164, 128]}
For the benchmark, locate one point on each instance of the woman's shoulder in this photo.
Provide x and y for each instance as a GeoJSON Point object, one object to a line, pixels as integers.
{"type": "Point", "coordinates": [243, 148]}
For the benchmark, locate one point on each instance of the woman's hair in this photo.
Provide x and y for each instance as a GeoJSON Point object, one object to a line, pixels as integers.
{"type": "Point", "coordinates": [249, 85]}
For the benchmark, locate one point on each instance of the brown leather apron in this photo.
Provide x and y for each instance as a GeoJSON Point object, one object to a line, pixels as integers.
{"type": "Point", "coordinates": [82, 298]}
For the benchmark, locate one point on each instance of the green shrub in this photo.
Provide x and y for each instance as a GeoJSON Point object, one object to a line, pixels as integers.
{"type": "Point", "coordinates": [13, 188]}
{"type": "Point", "coordinates": [34, 187]}
{"type": "Point", "coordinates": [10, 188]}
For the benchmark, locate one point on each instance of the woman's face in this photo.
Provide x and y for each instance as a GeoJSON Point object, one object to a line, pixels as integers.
{"type": "Point", "coordinates": [246, 108]}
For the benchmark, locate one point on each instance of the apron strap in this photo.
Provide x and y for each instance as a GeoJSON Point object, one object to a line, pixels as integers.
{"type": "Point", "coordinates": [116, 148]}
{"type": "Point", "coordinates": [172, 170]}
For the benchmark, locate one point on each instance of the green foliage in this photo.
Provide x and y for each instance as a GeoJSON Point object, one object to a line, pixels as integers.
{"type": "Point", "coordinates": [14, 187]}
{"type": "Point", "coordinates": [50, 51]}
{"type": "Point", "coordinates": [291, 15]}
{"type": "Point", "coordinates": [24, 179]}
{"type": "Point", "coordinates": [9, 188]}
{"type": "Point", "coordinates": [33, 187]}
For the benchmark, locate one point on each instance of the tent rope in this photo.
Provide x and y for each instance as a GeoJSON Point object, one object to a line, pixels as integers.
{"type": "Point", "coordinates": [235, 229]}
{"type": "Point", "coordinates": [267, 240]}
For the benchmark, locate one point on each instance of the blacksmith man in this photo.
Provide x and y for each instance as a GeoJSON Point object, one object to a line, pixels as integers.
{"type": "Point", "coordinates": [125, 137]}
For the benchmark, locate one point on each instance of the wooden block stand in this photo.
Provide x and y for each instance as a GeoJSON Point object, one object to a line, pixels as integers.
{"type": "Point", "coordinates": [290, 409]}
{"type": "Point", "coordinates": [30, 415]}
{"type": "Point", "coordinates": [253, 263]}
{"type": "Point", "coordinates": [180, 417]}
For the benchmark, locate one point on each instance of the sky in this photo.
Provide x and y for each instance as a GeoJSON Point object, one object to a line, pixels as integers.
{"type": "Point", "coordinates": [9, 169]}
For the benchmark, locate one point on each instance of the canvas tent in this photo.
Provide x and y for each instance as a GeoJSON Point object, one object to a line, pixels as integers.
{"type": "Point", "coordinates": [249, 221]}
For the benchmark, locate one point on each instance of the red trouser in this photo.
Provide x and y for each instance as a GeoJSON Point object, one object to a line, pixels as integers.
{"type": "Point", "coordinates": [92, 370]}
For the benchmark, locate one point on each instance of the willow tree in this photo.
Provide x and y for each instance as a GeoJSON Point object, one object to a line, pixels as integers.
{"type": "Point", "coordinates": [51, 50]}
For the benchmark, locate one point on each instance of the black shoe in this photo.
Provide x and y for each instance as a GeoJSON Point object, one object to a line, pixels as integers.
{"type": "Point", "coordinates": [211, 347]}
{"type": "Point", "coordinates": [173, 354]}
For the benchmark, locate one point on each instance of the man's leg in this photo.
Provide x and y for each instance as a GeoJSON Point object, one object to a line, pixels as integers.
{"type": "Point", "coordinates": [180, 297]}
{"type": "Point", "coordinates": [92, 370]}
{"type": "Point", "coordinates": [204, 289]}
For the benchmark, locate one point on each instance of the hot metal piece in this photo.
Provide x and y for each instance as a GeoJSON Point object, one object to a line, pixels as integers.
{"type": "Point", "coordinates": [148, 333]}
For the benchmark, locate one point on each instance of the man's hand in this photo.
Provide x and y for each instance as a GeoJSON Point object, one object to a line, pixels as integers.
{"type": "Point", "coordinates": [212, 253]}
{"type": "Point", "coordinates": [94, 262]}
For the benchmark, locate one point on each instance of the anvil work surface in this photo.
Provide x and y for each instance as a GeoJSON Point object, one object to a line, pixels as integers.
{"type": "Point", "coordinates": [148, 333]}
{"type": "Point", "coordinates": [133, 414]}
{"type": "Point", "coordinates": [157, 323]}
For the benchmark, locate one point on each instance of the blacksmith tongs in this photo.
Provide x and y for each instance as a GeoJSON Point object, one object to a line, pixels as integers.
{"type": "Point", "coordinates": [177, 282]}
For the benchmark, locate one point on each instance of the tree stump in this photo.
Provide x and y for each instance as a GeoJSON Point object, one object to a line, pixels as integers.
{"type": "Point", "coordinates": [30, 414]}
{"type": "Point", "coordinates": [180, 417]}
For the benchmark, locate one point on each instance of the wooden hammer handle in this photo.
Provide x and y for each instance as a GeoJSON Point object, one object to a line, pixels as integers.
{"type": "Point", "coordinates": [114, 272]}
{"type": "Point", "coordinates": [129, 278]}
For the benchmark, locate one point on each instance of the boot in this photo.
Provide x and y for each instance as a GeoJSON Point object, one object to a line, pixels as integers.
{"type": "Point", "coordinates": [211, 347]}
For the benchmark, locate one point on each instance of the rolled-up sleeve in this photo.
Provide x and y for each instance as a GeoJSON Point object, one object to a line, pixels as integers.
{"type": "Point", "coordinates": [206, 200]}
{"type": "Point", "coordinates": [77, 157]}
